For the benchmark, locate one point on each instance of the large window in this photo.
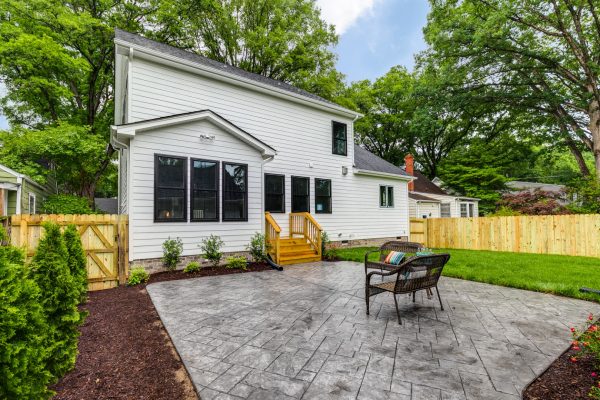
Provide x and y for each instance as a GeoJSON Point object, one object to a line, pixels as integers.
{"type": "Point", "coordinates": [322, 196]}
{"type": "Point", "coordinates": [340, 138]}
{"type": "Point", "coordinates": [275, 193]}
{"type": "Point", "coordinates": [300, 194]}
{"type": "Point", "coordinates": [235, 192]}
{"type": "Point", "coordinates": [386, 196]}
{"type": "Point", "coordinates": [170, 179]}
{"type": "Point", "coordinates": [205, 190]}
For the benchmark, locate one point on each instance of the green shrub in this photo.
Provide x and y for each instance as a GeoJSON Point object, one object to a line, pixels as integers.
{"type": "Point", "coordinates": [137, 275]}
{"type": "Point", "coordinates": [328, 248]}
{"type": "Point", "coordinates": [504, 211]}
{"type": "Point", "coordinates": [66, 204]}
{"type": "Point", "coordinates": [193, 266]}
{"type": "Point", "coordinates": [23, 330]}
{"type": "Point", "coordinates": [172, 249]}
{"type": "Point", "coordinates": [13, 254]}
{"type": "Point", "coordinates": [211, 249]}
{"type": "Point", "coordinates": [59, 299]}
{"type": "Point", "coordinates": [587, 342]}
{"type": "Point", "coordinates": [258, 248]}
{"type": "Point", "coordinates": [237, 262]}
{"type": "Point", "coordinates": [76, 260]}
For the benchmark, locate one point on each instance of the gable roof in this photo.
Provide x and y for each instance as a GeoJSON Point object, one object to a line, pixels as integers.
{"type": "Point", "coordinates": [367, 161]}
{"type": "Point", "coordinates": [424, 185]}
{"type": "Point", "coordinates": [129, 130]}
{"type": "Point", "coordinates": [208, 63]}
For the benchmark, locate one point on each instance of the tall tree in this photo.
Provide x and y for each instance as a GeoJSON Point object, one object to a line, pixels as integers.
{"type": "Point", "coordinates": [535, 57]}
{"type": "Point", "coordinates": [285, 40]}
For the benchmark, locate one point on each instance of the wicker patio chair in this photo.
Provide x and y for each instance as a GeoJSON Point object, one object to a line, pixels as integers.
{"type": "Point", "coordinates": [417, 273]}
{"type": "Point", "coordinates": [384, 250]}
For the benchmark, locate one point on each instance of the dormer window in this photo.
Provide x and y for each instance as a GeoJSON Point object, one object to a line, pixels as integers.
{"type": "Point", "coordinates": [340, 138]}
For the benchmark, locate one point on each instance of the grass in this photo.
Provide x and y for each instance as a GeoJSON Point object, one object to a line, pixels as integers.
{"type": "Point", "coordinates": [561, 275]}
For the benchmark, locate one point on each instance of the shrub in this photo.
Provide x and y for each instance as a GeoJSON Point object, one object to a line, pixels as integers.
{"type": "Point", "coordinates": [211, 249]}
{"type": "Point", "coordinates": [76, 260]}
{"type": "Point", "coordinates": [137, 275]}
{"type": "Point", "coordinates": [537, 202]}
{"type": "Point", "coordinates": [258, 248]}
{"type": "Point", "coordinates": [66, 204]}
{"type": "Point", "coordinates": [60, 297]}
{"type": "Point", "coordinates": [237, 262]}
{"type": "Point", "coordinates": [172, 249]}
{"type": "Point", "coordinates": [23, 330]}
{"type": "Point", "coordinates": [194, 266]}
{"type": "Point", "coordinates": [504, 211]}
{"type": "Point", "coordinates": [328, 248]}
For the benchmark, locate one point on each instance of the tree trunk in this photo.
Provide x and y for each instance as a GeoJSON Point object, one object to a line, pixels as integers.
{"type": "Point", "coordinates": [583, 168]}
{"type": "Point", "coordinates": [88, 189]}
{"type": "Point", "coordinates": [595, 131]}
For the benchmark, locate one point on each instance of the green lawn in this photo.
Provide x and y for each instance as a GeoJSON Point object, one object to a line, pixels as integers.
{"type": "Point", "coordinates": [562, 275]}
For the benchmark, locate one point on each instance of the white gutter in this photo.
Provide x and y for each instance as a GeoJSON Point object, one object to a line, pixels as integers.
{"type": "Point", "coordinates": [383, 175]}
{"type": "Point", "coordinates": [19, 199]}
{"type": "Point", "coordinates": [157, 56]}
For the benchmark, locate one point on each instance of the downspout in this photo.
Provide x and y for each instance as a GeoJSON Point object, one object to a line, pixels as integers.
{"type": "Point", "coordinates": [19, 194]}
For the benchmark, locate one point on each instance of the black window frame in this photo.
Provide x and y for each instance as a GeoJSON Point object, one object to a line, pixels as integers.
{"type": "Point", "coordinates": [294, 195]}
{"type": "Point", "coordinates": [282, 211]}
{"type": "Point", "coordinates": [185, 188]}
{"type": "Point", "coordinates": [387, 193]}
{"type": "Point", "coordinates": [217, 191]}
{"type": "Point", "coordinates": [330, 197]}
{"type": "Point", "coordinates": [223, 191]}
{"type": "Point", "coordinates": [334, 139]}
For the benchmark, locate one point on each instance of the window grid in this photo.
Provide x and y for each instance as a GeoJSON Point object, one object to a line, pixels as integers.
{"type": "Point", "coordinates": [231, 195]}
{"type": "Point", "coordinates": [274, 196]}
{"type": "Point", "coordinates": [300, 196]}
{"type": "Point", "coordinates": [323, 196]}
{"type": "Point", "coordinates": [198, 215]}
{"type": "Point", "coordinates": [165, 192]}
{"type": "Point", "coordinates": [339, 133]}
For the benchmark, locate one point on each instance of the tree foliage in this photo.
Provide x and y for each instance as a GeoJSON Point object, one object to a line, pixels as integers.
{"type": "Point", "coordinates": [537, 202]}
{"type": "Point", "coordinates": [535, 58]}
{"type": "Point", "coordinates": [76, 260]}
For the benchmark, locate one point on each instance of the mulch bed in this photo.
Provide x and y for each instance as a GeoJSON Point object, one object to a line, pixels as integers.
{"type": "Point", "coordinates": [564, 380]}
{"type": "Point", "coordinates": [124, 350]}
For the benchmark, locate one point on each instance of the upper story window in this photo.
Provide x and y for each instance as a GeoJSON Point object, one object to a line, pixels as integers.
{"type": "Point", "coordinates": [275, 193]}
{"type": "Point", "coordinates": [322, 196]}
{"type": "Point", "coordinates": [170, 182]}
{"type": "Point", "coordinates": [205, 190]}
{"type": "Point", "coordinates": [300, 194]}
{"type": "Point", "coordinates": [235, 192]}
{"type": "Point", "coordinates": [339, 138]}
{"type": "Point", "coordinates": [386, 196]}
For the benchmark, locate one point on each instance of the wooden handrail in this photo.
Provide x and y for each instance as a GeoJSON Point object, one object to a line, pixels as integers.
{"type": "Point", "coordinates": [303, 223]}
{"type": "Point", "coordinates": [272, 237]}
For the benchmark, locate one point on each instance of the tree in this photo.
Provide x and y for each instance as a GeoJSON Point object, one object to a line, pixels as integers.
{"type": "Point", "coordinates": [535, 57]}
{"type": "Point", "coordinates": [481, 168]}
{"type": "Point", "coordinates": [76, 260]}
{"type": "Point", "coordinates": [285, 40]}
{"type": "Point", "coordinates": [537, 202]}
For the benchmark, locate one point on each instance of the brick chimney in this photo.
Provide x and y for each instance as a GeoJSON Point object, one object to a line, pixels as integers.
{"type": "Point", "coordinates": [409, 166]}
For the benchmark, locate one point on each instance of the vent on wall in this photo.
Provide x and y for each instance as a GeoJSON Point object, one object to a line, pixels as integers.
{"type": "Point", "coordinates": [344, 242]}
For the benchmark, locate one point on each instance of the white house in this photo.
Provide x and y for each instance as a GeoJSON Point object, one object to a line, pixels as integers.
{"type": "Point", "coordinates": [427, 200]}
{"type": "Point", "coordinates": [206, 148]}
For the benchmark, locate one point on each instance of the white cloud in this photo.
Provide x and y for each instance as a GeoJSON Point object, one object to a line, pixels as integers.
{"type": "Point", "coordinates": [343, 13]}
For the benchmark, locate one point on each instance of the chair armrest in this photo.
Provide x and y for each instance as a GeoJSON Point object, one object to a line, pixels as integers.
{"type": "Point", "coordinates": [369, 252]}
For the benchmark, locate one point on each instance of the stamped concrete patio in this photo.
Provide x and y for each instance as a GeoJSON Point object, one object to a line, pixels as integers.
{"type": "Point", "coordinates": [303, 333]}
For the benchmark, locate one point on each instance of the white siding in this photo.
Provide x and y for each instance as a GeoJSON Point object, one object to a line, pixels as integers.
{"type": "Point", "coordinates": [418, 209]}
{"type": "Point", "coordinates": [454, 203]}
{"type": "Point", "coordinates": [300, 134]}
{"type": "Point", "coordinates": [182, 140]}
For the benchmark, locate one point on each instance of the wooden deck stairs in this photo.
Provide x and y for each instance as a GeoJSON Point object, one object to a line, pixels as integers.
{"type": "Point", "coordinates": [303, 245]}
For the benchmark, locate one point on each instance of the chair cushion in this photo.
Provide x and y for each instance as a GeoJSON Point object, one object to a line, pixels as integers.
{"type": "Point", "coordinates": [394, 257]}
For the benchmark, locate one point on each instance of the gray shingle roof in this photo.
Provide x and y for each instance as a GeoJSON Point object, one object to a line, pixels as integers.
{"type": "Point", "coordinates": [207, 62]}
{"type": "Point", "coordinates": [364, 159]}
{"type": "Point", "coordinates": [416, 196]}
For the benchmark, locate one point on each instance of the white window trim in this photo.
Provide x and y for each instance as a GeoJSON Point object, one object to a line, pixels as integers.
{"type": "Point", "coordinates": [467, 204]}
{"type": "Point", "coordinates": [32, 196]}
{"type": "Point", "coordinates": [387, 200]}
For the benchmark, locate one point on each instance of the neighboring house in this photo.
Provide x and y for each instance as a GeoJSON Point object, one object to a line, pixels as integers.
{"type": "Point", "coordinates": [516, 187]}
{"type": "Point", "coordinates": [19, 194]}
{"type": "Point", "coordinates": [207, 148]}
{"type": "Point", "coordinates": [108, 205]}
{"type": "Point", "coordinates": [428, 200]}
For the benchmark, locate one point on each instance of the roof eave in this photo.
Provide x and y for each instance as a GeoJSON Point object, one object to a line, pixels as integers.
{"type": "Point", "coordinates": [159, 56]}
{"type": "Point", "coordinates": [379, 174]}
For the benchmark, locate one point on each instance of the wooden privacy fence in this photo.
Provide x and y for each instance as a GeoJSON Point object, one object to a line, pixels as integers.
{"type": "Point", "coordinates": [572, 235]}
{"type": "Point", "coordinates": [104, 238]}
{"type": "Point", "coordinates": [418, 230]}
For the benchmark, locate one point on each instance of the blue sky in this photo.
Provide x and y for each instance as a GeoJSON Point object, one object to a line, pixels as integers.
{"type": "Point", "coordinates": [375, 35]}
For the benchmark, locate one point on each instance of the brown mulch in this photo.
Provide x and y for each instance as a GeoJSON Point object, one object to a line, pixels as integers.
{"type": "Point", "coordinates": [564, 380]}
{"type": "Point", "coordinates": [124, 350]}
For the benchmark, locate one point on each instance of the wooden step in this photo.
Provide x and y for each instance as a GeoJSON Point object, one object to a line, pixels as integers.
{"type": "Point", "coordinates": [299, 259]}
{"type": "Point", "coordinates": [295, 247]}
{"type": "Point", "coordinates": [292, 242]}
{"type": "Point", "coordinates": [298, 252]}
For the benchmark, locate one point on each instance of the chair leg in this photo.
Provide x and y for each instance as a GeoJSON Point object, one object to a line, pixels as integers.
{"type": "Point", "coordinates": [367, 297]}
{"type": "Point", "coordinates": [414, 296]}
{"type": "Point", "coordinates": [439, 298]}
{"type": "Point", "coordinates": [397, 310]}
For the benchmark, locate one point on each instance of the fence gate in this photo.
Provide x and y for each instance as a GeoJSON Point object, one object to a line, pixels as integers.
{"type": "Point", "coordinates": [104, 240]}
{"type": "Point", "coordinates": [418, 230]}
